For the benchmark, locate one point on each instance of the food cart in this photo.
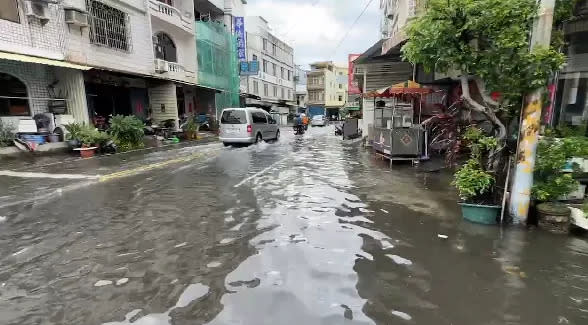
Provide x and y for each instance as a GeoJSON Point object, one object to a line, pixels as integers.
{"type": "Point", "coordinates": [397, 133]}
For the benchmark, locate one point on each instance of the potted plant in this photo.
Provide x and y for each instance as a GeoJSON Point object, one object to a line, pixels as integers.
{"type": "Point", "coordinates": [553, 181]}
{"type": "Point", "coordinates": [73, 134]}
{"type": "Point", "coordinates": [192, 129]}
{"type": "Point", "coordinates": [475, 180]}
{"type": "Point", "coordinates": [7, 135]}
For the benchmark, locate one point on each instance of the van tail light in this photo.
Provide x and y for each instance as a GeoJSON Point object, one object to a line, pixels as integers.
{"type": "Point", "coordinates": [249, 129]}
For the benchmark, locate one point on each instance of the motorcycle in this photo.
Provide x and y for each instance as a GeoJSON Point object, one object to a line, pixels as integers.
{"type": "Point", "coordinates": [298, 129]}
{"type": "Point", "coordinates": [339, 129]}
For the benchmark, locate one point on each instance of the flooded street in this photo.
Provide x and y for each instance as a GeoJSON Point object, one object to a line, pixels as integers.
{"type": "Point", "coordinates": [308, 230]}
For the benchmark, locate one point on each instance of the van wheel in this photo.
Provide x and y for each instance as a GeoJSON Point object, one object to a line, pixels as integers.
{"type": "Point", "coordinates": [227, 144]}
{"type": "Point", "coordinates": [277, 135]}
{"type": "Point", "coordinates": [258, 138]}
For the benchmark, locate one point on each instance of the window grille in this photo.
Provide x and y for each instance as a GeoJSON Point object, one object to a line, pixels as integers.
{"type": "Point", "coordinates": [109, 26]}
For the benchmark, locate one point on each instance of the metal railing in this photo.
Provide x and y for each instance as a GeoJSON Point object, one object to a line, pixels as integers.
{"type": "Point", "coordinates": [172, 12]}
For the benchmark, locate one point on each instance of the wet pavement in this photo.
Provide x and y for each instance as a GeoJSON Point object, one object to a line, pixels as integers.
{"type": "Point", "coordinates": [308, 230]}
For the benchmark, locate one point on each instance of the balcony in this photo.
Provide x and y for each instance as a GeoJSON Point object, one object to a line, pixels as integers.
{"type": "Point", "coordinates": [311, 86]}
{"type": "Point", "coordinates": [174, 71]}
{"type": "Point", "coordinates": [172, 15]}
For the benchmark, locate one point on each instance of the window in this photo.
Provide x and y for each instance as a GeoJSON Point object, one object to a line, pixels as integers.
{"type": "Point", "coordinates": [265, 91]}
{"type": "Point", "coordinates": [289, 75]}
{"type": "Point", "coordinates": [340, 98]}
{"type": "Point", "coordinates": [13, 97]}
{"type": "Point", "coordinates": [234, 117]}
{"type": "Point", "coordinates": [255, 87]}
{"type": "Point", "coordinates": [275, 91]}
{"type": "Point", "coordinates": [9, 10]}
{"type": "Point", "coordinates": [265, 66]}
{"type": "Point", "coordinates": [271, 120]}
{"type": "Point", "coordinates": [274, 49]}
{"type": "Point", "coordinates": [282, 90]}
{"type": "Point", "coordinates": [165, 48]}
{"type": "Point", "coordinates": [265, 44]}
{"type": "Point", "coordinates": [108, 26]}
{"type": "Point", "coordinates": [283, 74]}
{"type": "Point", "coordinates": [289, 94]}
{"type": "Point", "coordinates": [340, 86]}
{"type": "Point", "coordinates": [254, 58]}
{"type": "Point", "coordinates": [259, 118]}
{"type": "Point", "coordinates": [275, 71]}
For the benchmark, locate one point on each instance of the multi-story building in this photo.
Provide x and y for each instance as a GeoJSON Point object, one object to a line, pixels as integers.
{"type": "Point", "coordinates": [300, 80]}
{"type": "Point", "coordinates": [327, 88]}
{"type": "Point", "coordinates": [274, 84]}
{"type": "Point", "coordinates": [571, 92]}
{"type": "Point", "coordinates": [92, 58]}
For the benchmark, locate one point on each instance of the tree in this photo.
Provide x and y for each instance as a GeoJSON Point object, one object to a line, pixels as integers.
{"type": "Point", "coordinates": [486, 42]}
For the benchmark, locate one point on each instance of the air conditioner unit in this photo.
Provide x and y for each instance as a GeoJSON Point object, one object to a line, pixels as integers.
{"type": "Point", "coordinates": [76, 17]}
{"type": "Point", "coordinates": [37, 9]}
{"type": "Point", "coordinates": [161, 66]}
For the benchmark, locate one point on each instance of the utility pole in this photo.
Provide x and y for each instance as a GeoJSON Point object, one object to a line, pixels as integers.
{"type": "Point", "coordinates": [520, 195]}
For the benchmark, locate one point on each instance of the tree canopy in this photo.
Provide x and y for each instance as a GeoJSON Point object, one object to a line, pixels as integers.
{"type": "Point", "coordinates": [486, 41]}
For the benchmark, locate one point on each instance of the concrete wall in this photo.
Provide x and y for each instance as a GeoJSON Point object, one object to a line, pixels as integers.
{"type": "Point", "coordinates": [31, 37]}
{"type": "Point", "coordinates": [163, 102]}
{"type": "Point", "coordinates": [71, 86]}
{"type": "Point", "coordinates": [36, 77]}
{"type": "Point", "coordinates": [139, 60]}
{"type": "Point", "coordinates": [185, 46]}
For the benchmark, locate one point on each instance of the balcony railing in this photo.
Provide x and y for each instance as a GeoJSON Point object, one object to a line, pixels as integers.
{"type": "Point", "coordinates": [172, 15]}
{"type": "Point", "coordinates": [174, 67]}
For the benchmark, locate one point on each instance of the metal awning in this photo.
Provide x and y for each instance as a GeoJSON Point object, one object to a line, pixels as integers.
{"type": "Point", "coordinates": [353, 108]}
{"type": "Point", "coordinates": [38, 60]}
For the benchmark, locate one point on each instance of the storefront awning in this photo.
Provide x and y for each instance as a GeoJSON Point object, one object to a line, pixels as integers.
{"type": "Point", "coordinates": [34, 59]}
{"type": "Point", "coordinates": [353, 108]}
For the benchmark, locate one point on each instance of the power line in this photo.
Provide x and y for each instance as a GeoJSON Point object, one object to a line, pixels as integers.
{"type": "Point", "coordinates": [351, 27]}
{"type": "Point", "coordinates": [295, 25]}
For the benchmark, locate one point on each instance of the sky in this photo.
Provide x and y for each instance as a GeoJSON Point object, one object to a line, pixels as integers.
{"type": "Point", "coordinates": [314, 28]}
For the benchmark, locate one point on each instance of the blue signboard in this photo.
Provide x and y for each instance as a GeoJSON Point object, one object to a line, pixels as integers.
{"type": "Point", "coordinates": [250, 68]}
{"type": "Point", "coordinates": [241, 44]}
{"type": "Point", "coordinates": [254, 67]}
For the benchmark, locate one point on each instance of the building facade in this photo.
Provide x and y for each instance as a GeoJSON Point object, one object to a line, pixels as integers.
{"type": "Point", "coordinates": [274, 85]}
{"type": "Point", "coordinates": [327, 87]}
{"type": "Point", "coordinates": [301, 80]}
{"type": "Point", "coordinates": [571, 95]}
{"type": "Point", "coordinates": [90, 59]}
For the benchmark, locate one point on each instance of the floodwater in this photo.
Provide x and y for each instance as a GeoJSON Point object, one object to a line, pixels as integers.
{"type": "Point", "coordinates": [308, 230]}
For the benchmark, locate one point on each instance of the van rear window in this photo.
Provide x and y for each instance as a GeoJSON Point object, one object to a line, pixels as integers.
{"type": "Point", "coordinates": [234, 117]}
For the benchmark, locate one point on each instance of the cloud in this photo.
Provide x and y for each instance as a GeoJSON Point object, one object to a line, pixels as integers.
{"type": "Point", "coordinates": [314, 28]}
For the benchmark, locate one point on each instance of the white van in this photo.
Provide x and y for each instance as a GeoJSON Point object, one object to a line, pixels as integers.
{"type": "Point", "coordinates": [247, 125]}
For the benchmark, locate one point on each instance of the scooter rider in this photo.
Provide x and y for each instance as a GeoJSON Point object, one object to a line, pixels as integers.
{"type": "Point", "coordinates": [298, 125]}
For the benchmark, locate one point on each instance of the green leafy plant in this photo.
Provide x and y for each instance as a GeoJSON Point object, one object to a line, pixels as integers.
{"type": "Point", "coordinates": [473, 182]}
{"type": "Point", "coordinates": [6, 134]}
{"type": "Point", "coordinates": [553, 155]}
{"type": "Point", "coordinates": [74, 130]}
{"type": "Point", "coordinates": [485, 43]}
{"type": "Point", "coordinates": [91, 136]}
{"type": "Point", "coordinates": [192, 128]}
{"type": "Point", "coordinates": [127, 132]}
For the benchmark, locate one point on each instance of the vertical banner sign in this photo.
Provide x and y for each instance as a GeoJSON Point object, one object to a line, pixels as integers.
{"type": "Point", "coordinates": [240, 32]}
{"type": "Point", "coordinates": [353, 87]}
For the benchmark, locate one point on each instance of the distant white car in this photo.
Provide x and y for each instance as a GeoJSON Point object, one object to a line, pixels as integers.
{"type": "Point", "coordinates": [318, 120]}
